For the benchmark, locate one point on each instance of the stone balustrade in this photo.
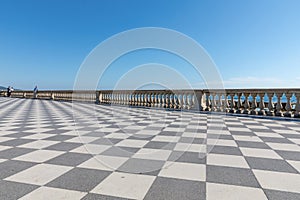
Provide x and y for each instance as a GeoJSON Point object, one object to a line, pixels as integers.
{"type": "Point", "coordinates": [269, 102]}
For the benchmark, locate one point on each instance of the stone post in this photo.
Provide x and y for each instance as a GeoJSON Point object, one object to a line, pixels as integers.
{"type": "Point", "coordinates": [288, 106]}
{"type": "Point", "coordinates": [253, 104]}
{"type": "Point", "coordinates": [278, 111]}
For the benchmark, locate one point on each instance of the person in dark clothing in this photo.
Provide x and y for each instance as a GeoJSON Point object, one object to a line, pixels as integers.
{"type": "Point", "coordinates": [35, 91]}
{"type": "Point", "coordinates": [9, 91]}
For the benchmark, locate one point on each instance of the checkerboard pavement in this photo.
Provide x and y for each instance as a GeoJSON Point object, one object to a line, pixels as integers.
{"type": "Point", "coordinates": [56, 150]}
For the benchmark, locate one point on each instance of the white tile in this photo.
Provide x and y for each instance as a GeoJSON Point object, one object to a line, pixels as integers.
{"type": "Point", "coordinates": [247, 138]}
{"type": "Point", "coordinates": [37, 130]}
{"type": "Point", "coordinates": [132, 143]}
{"type": "Point", "coordinates": [231, 192]}
{"type": "Point", "coordinates": [218, 132]}
{"type": "Point", "coordinates": [285, 131]}
{"type": "Point", "coordinates": [295, 164]}
{"type": "Point", "coordinates": [278, 181]}
{"type": "Point", "coordinates": [82, 139]}
{"type": "Point", "coordinates": [164, 138]}
{"type": "Point", "coordinates": [257, 126]}
{"type": "Point", "coordinates": [39, 156]}
{"type": "Point", "coordinates": [132, 127]}
{"type": "Point", "coordinates": [148, 132]}
{"type": "Point", "coordinates": [118, 135]}
{"type": "Point", "coordinates": [100, 162]}
{"type": "Point", "coordinates": [2, 148]}
{"type": "Point", "coordinates": [227, 160]}
{"type": "Point", "coordinates": [91, 149]}
{"type": "Point", "coordinates": [48, 193]}
{"type": "Point", "coordinates": [198, 148]}
{"type": "Point", "coordinates": [152, 154]}
{"type": "Point", "coordinates": [4, 139]}
{"type": "Point", "coordinates": [125, 185]}
{"type": "Point", "coordinates": [239, 129]}
{"type": "Point", "coordinates": [268, 134]}
{"type": "Point", "coordinates": [38, 136]}
{"type": "Point", "coordinates": [187, 171]}
{"type": "Point", "coordinates": [221, 142]}
{"type": "Point", "coordinates": [283, 146]}
{"type": "Point", "coordinates": [39, 144]}
{"type": "Point", "coordinates": [194, 135]}
{"type": "Point", "coordinates": [178, 130]}
{"type": "Point", "coordinates": [297, 141]}
{"type": "Point", "coordinates": [39, 174]}
{"type": "Point", "coordinates": [259, 153]}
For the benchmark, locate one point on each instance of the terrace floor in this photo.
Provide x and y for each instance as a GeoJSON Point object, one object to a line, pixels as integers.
{"type": "Point", "coordinates": [60, 150]}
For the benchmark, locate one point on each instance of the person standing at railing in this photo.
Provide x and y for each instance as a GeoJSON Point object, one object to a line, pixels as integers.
{"type": "Point", "coordinates": [35, 91]}
{"type": "Point", "coordinates": [9, 91]}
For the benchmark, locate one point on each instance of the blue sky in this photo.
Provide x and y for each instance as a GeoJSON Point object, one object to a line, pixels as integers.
{"type": "Point", "coordinates": [254, 43]}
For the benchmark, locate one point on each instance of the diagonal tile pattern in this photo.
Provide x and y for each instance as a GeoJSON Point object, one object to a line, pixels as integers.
{"type": "Point", "coordinates": [56, 150]}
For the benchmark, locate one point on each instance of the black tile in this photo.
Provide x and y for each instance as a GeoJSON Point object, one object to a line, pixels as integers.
{"type": "Point", "coordinates": [12, 190]}
{"type": "Point", "coordinates": [79, 179]}
{"type": "Point", "coordinates": [230, 175]}
{"type": "Point", "coordinates": [270, 164]}
{"type": "Point", "coordinates": [176, 189]}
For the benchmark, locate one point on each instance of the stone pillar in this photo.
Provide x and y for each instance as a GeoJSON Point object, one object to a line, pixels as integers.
{"type": "Point", "coordinates": [253, 104]}
{"type": "Point", "coordinates": [232, 105]}
{"type": "Point", "coordinates": [262, 104]}
{"type": "Point", "coordinates": [297, 108]}
{"type": "Point", "coordinates": [270, 105]}
{"type": "Point", "coordinates": [246, 104]}
{"type": "Point", "coordinates": [239, 103]}
{"type": "Point", "coordinates": [288, 106]}
{"type": "Point", "coordinates": [278, 111]}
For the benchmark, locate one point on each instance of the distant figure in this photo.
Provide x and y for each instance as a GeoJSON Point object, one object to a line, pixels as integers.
{"type": "Point", "coordinates": [35, 91]}
{"type": "Point", "coordinates": [9, 91]}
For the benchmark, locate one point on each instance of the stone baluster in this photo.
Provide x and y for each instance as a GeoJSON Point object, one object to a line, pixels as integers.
{"type": "Point", "coordinates": [180, 101]}
{"type": "Point", "coordinates": [152, 97]}
{"type": "Point", "coordinates": [253, 104]}
{"type": "Point", "coordinates": [270, 111]}
{"type": "Point", "coordinates": [167, 100]}
{"type": "Point", "coordinates": [246, 104]}
{"type": "Point", "coordinates": [262, 104]}
{"type": "Point", "coordinates": [189, 101]}
{"type": "Point", "coordinates": [126, 98]}
{"type": "Point", "coordinates": [130, 98]}
{"type": "Point", "coordinates": [297, 108]}
{"type": "Point", "coordinates": [185, 101]}
{"type": "Point", "coordinates": [278, 111]}
{"type": "Point", "coordinates": [288, 107]}
{"type": "Point", "coordinates": [213, 102]}
{"type": "Point", "coordinates": [171, 100]}
{"type": "Point", "coordinates": [175, 100]}
{"type": "Point", "coordinates": [232, 104]}
{"type": "Point", "coordinates": [239, 105]}
{"type": "Point", "coordinates": [159, 99]}
{"type": "Point", "coordinates": [140, 99]}
{"type": "Point", "coordinates": [222, 107]}
{"type": "Point", "coordinates": [149, 99]}
{"type": "Point", "coordinates": [226, 103]}
{"type": "Point", "coordinates": [155, 100]}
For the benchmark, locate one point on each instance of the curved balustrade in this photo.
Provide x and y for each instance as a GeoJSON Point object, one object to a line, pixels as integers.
{"type": "Point", "coordinates": [269, 102]}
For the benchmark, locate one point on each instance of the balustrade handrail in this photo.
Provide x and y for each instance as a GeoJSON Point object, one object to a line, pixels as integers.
{"type": "Point", "coordinates": [241, 101]}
